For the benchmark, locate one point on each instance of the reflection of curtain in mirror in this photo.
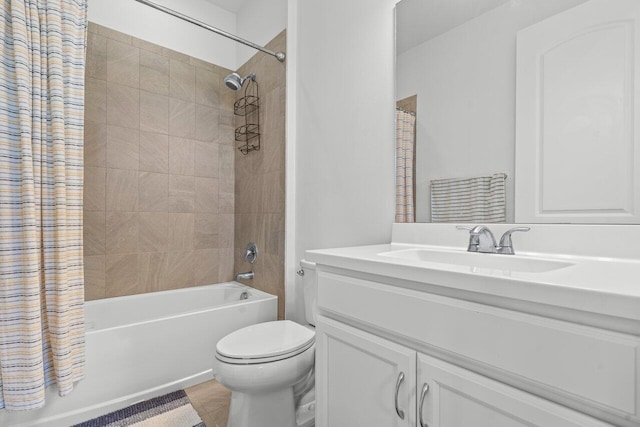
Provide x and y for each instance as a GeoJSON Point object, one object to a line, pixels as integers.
{"type": "Point", "coordinates": [405, 149]}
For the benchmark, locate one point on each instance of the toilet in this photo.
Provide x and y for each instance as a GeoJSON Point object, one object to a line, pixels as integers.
{"type": "Point", "coordinates": [269, 368]}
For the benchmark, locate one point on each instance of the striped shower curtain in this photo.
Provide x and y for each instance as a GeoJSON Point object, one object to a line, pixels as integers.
{"type": "Point", "coordinates": [42, 56]}
{"type": "Point", "coordinates": [405, 148]}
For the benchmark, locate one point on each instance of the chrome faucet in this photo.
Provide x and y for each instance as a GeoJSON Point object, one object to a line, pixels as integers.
{"type": "Point", "coordinates": [245, 276]}
{"type": "Point", "coordinates": [481, 240]}
{"type": "Point", "coordinates": [506, 245]}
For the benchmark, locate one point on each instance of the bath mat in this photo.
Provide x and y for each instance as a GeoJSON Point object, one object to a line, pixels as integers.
{"type": "Point", "coordinates": [170, 410]}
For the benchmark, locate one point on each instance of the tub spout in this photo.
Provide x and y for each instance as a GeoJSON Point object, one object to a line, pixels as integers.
{"type": "Point", "coordinates": [245, 276]}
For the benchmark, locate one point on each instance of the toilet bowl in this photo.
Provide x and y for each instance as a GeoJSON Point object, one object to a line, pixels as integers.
{"type": "Point", "coordinates": [269, 368]}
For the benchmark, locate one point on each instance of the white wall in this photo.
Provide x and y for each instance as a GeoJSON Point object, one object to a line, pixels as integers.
{"type": "Point", "coordinates": [136, 19]}
{"type": "Point", "coordinates": [259, 21]}
{"type": "Point", "coordinates": [344, 127]}
{"type": "Point", "coordinates": [465, 82]}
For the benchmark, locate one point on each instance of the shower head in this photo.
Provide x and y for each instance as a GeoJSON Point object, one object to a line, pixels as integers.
{"type": "Point", "coordinates": [235, 82]}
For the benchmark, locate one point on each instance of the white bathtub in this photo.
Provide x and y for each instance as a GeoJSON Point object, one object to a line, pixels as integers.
{"type": "Point", "coordinates": [143, 346]}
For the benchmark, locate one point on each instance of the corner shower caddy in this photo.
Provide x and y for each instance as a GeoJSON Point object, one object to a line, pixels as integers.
{"type": "Point", "coordinates": [249, 107]}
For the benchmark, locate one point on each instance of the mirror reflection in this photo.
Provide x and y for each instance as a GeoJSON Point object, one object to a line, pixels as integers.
{"type": "Point", "coordinates": [459, 88]}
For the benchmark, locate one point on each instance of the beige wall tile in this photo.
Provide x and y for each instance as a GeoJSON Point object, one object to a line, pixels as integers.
{"type": "Point", "coordinates": [207, 119]}
{"type": "Point", "coordinates": [182, 80]}
{"type": "Point", "coordinates": [123, 106]}
{"type": "Point", "coordinates": [154, 72]}
{"type": "Point", "coordinates": [226, 203]}
{"type": "Point", "coordinates": [227, 118]}
{"type": "Point", "coordinates": [182, 118]}
{"type": "Point", "coordinates": [205, 266]}
{"type": "Point", "coordinates": [226, 163]}
{"type": "Point", "coordinates": [181, 193]}
{"type": "Point", "coordinates": [248, 193]}
{"type": "Point", "coordinates": [92, 28]}
{"type": "Point", "coordinates": [227, 97]}
{"type": "Point", "coordinates": [94, 277]}
{"type": "Point", "coordinates": [180, 270]}
{"type": "Point", "coordinates": [259, 177]}
{"type": "Point", "coordinates": [226, 135]}
{"type": "Point", "coordinates": [153, 192]}
{"type": "Point", "coordinates": [172, 54]}
{"type": "Point", "coordinates": [94, 233]}
{"type": "Point", "coordinates": [246, 229]}
{"type": "Point", "coordinates": [225, 231]}
{"type": "Point", "coordinates": [152, 271]}
{"type": "Point", "coordinates": [143, 218]}
{"type": "Point", "coordinates": [181, 231]}
{"type": "Point", "coordinates": [206, 199]}
{"type": "Point", "coordinates": [146, 46]}
{"type": "Point", "coordinates": [122, 232]}
{"type": "Point", "coordinates": [207, 87]}
{"type": "Point", "coordinates": [181, 156]}
{"type": "Point", "coordinates": [206, 231]}
{"type": "Point", "coordinates": [225, 265]}
{"type": "Point", "coordinates": [154, 152]}
{"type": "Point", "coordinates": [113, 34]}
{"type": "Point", "coordinates": [273, 237]}
{"type": "Point", "coordinates": [95, 144]}
{"type": "Point", "coordinates": [273, 192]}
{"type": "Point", "coordinates": [123, 145]}
{"type": "Point", "coordinates": [94, 188]}
{"type": "Point", "coordinates": [206, 159]}
{"type": "Point", "coordinates": [123, 63]}
{"type": "Point", "coordinates": [226, 184]}
{"type": "Point", "coordinates": [95, 100]}
{"type": "Point", "coordinates": [122, 190]}
{"type": "Point", "coordinates": [154, 112]}
{"type": "Point", "coordinates": [153, 232]}
{"type": "Point", "coordinates": [122, 275]}
{"type": "Point", "coordinates": [96, 65]}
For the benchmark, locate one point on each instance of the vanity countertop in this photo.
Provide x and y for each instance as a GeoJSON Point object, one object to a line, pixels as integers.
{"type": "Point", "coordinates": [603, 285]}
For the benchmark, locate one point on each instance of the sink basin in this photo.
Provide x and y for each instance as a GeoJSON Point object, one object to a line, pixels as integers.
{"type": "Point", "coordinates": [476, 261]}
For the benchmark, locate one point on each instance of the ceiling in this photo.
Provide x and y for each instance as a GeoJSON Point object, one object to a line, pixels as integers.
{"type": "Point", "coordinates": [422, 20]}
{"type": "Point", "coordinates": [230, 5]}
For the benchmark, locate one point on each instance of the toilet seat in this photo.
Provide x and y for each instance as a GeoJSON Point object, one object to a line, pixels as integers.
{"type": "Point", "coordinates": [264, 343]}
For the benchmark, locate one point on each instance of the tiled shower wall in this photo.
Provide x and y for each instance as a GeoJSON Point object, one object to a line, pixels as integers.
{"type": "Point", "coordinates": [159, 168]}
{"type": "Point", "coordinates": [260, 179]}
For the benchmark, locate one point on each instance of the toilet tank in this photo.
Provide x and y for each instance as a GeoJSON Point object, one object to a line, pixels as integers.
{"type": "Point", "coordinates": [310, 291]}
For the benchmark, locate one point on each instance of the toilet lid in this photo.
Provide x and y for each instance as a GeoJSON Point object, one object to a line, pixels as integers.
{"type": "Point", "coordinates": [265, 340]}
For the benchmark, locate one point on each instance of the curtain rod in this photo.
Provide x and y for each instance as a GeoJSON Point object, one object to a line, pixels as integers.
{"type": "Point", "coordinates": [280, 56]}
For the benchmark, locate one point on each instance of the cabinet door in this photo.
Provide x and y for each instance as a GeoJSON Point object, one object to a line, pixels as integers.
{"type": "Point", "coordinates": [457, 397]}
{"type": "Point", "coordinates": [362, 380]}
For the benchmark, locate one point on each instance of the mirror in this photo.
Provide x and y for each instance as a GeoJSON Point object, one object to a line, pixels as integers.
{"type": "Point", "coordinates": [457, 61]}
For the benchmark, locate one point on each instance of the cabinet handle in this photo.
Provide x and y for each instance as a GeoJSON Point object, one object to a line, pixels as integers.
{"type": "Point", "coordinates": [399, 411]}
{"type": "Point", "coordinates": [423, 394]}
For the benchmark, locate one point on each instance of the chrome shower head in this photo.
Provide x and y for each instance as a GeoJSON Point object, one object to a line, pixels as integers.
{"type": "Point", "coordinates": [235, 82]}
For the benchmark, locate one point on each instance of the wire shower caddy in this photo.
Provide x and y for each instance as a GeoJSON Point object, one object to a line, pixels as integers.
{"type": "Point", "coordinates": [248, 107]}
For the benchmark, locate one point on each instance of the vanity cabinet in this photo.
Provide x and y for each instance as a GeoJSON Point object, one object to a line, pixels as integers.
{"type": "Point", "coordinates": [484, 365]}
{"type": "Point", "coordinates": [457, 397]}
{"type": "Point", "coordinates": [365, 380]}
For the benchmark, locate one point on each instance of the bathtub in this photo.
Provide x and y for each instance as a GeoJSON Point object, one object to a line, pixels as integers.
{"type": "Point", "coordinates": [143, 346]}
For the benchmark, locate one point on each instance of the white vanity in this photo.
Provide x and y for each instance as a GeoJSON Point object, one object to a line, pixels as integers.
{"type": "Point", "coordinates": [420, 332]}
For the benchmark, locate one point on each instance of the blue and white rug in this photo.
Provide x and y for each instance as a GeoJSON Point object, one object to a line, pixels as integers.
{"type": "Point", "coordinates": [170, 410]}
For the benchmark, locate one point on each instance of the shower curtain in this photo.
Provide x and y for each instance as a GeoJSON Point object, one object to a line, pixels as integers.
{"type": "Point", "coordinates": [405, 148]}
{"type": "Point", "coordinates": [42, 57]}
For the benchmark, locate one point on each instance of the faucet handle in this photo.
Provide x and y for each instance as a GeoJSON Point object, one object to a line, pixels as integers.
{"type": "Point", "coordinates": [506, 245]}
{"type": "Point", "coordinates": [474, 239]}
